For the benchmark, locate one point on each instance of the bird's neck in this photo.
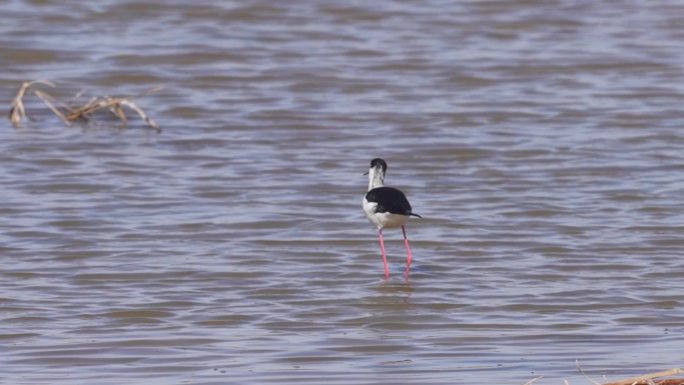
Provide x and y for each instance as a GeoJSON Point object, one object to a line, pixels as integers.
{"type": "Point", "coordinates": [376, 178]}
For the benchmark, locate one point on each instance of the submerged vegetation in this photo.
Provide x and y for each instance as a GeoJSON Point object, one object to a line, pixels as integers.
{"type": "Point", "coordinates": [69, 112]}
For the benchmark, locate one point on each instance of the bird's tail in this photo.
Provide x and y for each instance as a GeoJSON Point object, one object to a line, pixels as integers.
{"type": "Point", "coordinates": [415, 215]}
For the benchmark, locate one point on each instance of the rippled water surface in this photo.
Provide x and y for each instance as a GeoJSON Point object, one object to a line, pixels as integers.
{"type": "Point", "coordinates": [541, 141]}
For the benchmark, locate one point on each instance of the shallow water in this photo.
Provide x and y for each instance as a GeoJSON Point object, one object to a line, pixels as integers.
{"type": "Point", "coordinates": [541, 142]}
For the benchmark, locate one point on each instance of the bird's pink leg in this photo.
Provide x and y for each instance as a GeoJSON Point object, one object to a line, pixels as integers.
{"type": "Point", "coordinates": [408, 253]}
{"type": "Point", "coordinates": [384, 255]}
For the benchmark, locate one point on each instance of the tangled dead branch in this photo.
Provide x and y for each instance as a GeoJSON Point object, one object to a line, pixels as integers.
{"type": "Point", "coordinates": [70, 113]}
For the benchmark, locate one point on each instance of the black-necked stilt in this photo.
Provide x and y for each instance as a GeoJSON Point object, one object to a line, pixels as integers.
{"type": "Point", "coordinates": [386, 207]}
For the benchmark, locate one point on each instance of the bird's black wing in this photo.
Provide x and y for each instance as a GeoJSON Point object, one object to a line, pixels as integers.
{"type": "Point", "coordinates": [389, 200]}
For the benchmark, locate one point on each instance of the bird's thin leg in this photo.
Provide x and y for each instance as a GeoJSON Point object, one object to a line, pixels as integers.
{"type": "Point", "coordinates": [408, 253]}
{"type": "Point", "coordinates": [384, 255]}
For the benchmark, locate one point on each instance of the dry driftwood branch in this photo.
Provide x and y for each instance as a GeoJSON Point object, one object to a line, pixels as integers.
{"type": "Point", "coordinates": [650, 378]}
{"type": "Point", "coordinates": [68, 113]}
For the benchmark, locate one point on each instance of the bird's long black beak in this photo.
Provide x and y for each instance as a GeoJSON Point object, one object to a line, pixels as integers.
{"type": "Point", "coordinates": [365, 173]}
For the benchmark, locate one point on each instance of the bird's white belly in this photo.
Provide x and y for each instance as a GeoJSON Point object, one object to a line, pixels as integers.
{"type": "Point", "coordinates": [383, 220]}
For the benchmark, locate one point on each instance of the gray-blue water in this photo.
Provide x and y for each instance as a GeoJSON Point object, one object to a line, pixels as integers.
{"type": "Point", "coordinates": [541, 141]}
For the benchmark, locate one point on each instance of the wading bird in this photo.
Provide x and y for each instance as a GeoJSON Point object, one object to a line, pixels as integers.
{"type": "Point", "coordinates": [386, 207]}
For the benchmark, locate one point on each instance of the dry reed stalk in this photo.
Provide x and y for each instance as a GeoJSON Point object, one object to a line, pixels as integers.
{"type": "Point", "coordinates": [583, 374]}
{"type": "Point", "coordinates": [49, 101]}
{"type": "Point", "coordinates": [17, 112]}
{"type": "Point", "coordinates": [69, 113]}
{"type": "Point", "coordinates": [649, 379]}
{"type": "Point", "coordinates": [114, 106]}
{"type": "Point", "coordinates": [532, 381]}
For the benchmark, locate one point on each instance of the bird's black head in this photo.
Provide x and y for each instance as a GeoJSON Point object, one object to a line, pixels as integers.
{"type": "Point", "coordinates": [379, 162]}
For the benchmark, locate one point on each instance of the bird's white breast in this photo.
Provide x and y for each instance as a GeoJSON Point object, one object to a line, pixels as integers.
{"type": "Point", "coordinates": [382, 220]}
